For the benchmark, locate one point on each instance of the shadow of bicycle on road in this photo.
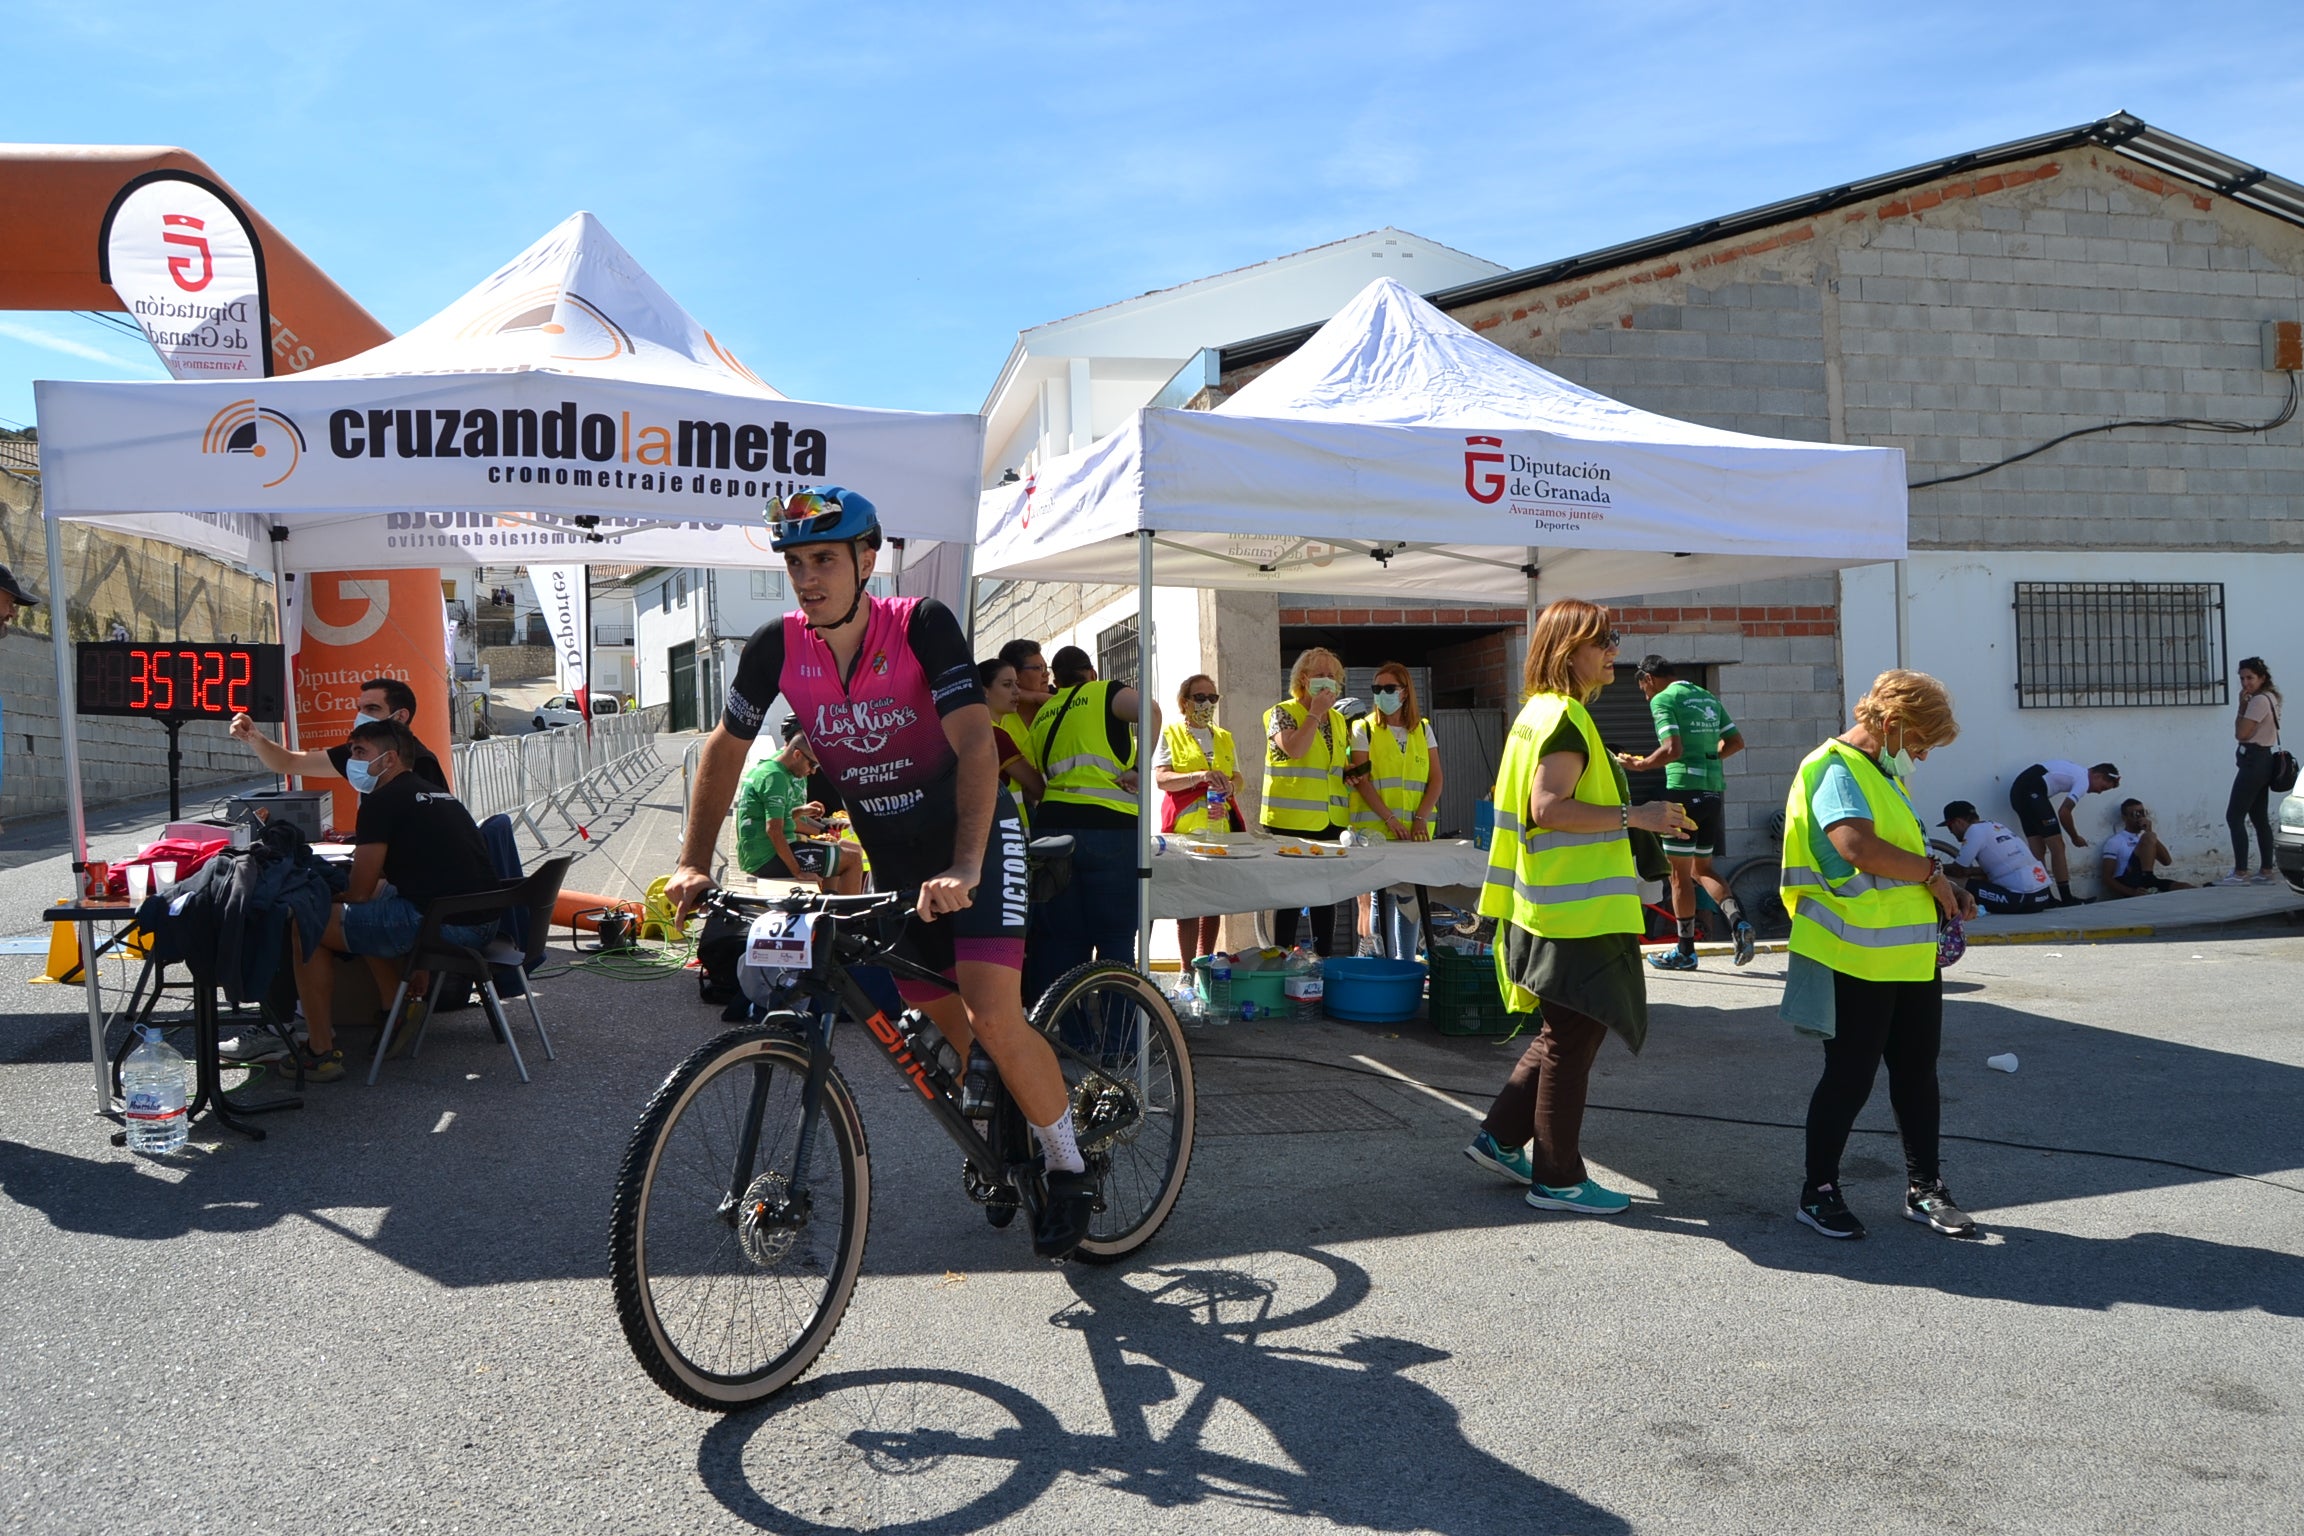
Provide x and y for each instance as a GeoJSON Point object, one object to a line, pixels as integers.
{"type": "Point", "coordinates": [1225, 1385]}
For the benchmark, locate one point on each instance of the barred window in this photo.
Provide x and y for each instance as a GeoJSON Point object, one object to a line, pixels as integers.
{"type": "Point", "coordinates": [2092, 644]}
{"type": "Point", "coordinates": [1116, 653]}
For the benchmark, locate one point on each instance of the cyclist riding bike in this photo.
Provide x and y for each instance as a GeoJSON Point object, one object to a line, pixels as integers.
{"type": "Point", "coordinates": [887, 693]}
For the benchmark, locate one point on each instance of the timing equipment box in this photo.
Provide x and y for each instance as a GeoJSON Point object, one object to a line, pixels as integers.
{"type": "Point", "coordinates": [304, 809]}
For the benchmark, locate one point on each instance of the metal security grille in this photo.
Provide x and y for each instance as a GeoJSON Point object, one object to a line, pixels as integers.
{"type": "Point", "coordinates": [1117, 653]}
{"type": "Point", "coordinates": [2095, 644]}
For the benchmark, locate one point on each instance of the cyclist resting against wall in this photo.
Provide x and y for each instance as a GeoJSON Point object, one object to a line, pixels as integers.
{"type": "Point", "coordinates": [887, 694]}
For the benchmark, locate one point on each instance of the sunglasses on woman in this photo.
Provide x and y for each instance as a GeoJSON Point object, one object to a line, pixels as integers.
{"type": "Point", "coordinates": [1204, 698]}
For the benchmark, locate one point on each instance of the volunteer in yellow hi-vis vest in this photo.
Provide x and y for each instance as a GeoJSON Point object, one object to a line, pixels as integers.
{"type": "Point", "coordinates": [1084, 741]}
{"type": "Point", "coordinates": [1196, 755]}
{"type": "Point", "coordinates": [1394, 782]}
{"type": "Point", "coordinates": [1564, 889]}
{"type": "Point", "coordinates": [1011, 737]}
{"type": "Point", "coordinates": [1865, 894]}
{"type": "Point", "coordinates": [1306, 745]}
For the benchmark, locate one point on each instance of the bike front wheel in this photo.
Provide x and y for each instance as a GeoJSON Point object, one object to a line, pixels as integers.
{"type": "Point", "coordinates": [1133, 1104]}
{"type": "Point", "coordinates": [731, 1264]}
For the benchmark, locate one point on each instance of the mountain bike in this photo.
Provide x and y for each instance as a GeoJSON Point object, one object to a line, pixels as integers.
{"type": "Point", "coordinates": [743, 1202]}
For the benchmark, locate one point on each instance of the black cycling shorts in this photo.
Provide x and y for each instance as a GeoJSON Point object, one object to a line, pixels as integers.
{"type": "Point", "coordinates": [990, 929]}
{"type": "Point", "coordinates": [2035, 808]}
{"type": "Point", "coordinates": [1708, 808]}
{"type": "Point", "coordinates": [814, 857]}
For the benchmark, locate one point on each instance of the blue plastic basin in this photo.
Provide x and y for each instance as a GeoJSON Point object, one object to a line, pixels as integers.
{"type": "Point", "coordinates": [1365, 990]}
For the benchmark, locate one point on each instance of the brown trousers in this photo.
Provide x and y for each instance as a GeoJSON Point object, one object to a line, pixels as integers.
{"type": "Point", "coordinates": [1543, 1100]}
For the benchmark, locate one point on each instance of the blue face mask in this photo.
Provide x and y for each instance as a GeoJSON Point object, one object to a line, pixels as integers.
{"type": "Point", "coordinates": [362, 775]}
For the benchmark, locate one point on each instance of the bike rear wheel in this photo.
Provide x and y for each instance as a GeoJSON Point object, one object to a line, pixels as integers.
{"type": "Point", "coordinates": [1755, 884]}
{"type": "Point", "coordinates": [726, 1301]}
{"type": "Point", "coordinates": [1133, 1103]}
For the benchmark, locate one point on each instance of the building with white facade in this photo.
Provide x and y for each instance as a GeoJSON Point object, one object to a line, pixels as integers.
{"type": "Point", "coordinates": [688, 627]}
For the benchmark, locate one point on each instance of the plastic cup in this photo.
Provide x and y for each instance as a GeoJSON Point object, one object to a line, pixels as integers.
{"type": "Point", "coordinates": [164, 876]}
{"type": "Point", "coordinates": [139, 882]}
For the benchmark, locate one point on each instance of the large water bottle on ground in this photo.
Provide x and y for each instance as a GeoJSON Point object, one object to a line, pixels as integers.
{"type": "Point", "coordinates": [152, 1083]}
{"type": "Point", "coordinates": [1301, 980]}
{"type": "Point", "coordinates": [1484, 823]}
{"type": "Point", "coordinates": [1220, 988]}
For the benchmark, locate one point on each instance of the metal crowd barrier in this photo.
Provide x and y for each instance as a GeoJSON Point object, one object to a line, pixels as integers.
{"type": "Point", "coordinates": [553, 773]}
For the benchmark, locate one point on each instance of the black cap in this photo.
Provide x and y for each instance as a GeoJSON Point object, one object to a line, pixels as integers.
{"type": "Point", "coordinates": [1653, 665]}
{"type": "Point", "coordinates": [1959, 810]}
{"type": "Point", "coordinates": [792, 728]}
{"type": "Point", "coordinates": [2107, 770]}
{"type": "Point", "coordinates": [9, 585]}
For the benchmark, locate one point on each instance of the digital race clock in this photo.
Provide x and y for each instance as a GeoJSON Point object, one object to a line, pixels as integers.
{"type": "Point", "coordinates": [184, 681]}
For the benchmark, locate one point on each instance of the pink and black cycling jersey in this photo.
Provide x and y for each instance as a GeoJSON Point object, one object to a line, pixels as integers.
{"type": "Point", "coordinates": [879, 733]}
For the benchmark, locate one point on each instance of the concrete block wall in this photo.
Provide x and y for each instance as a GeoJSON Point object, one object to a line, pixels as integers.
{"type": "Point", "coordinates": [119, 759]}
{"type": "Point", "coordinates": [1034, 610]}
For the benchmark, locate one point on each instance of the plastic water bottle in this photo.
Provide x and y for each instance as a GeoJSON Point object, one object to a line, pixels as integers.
{"type": "Point", "coordinates": [1483, 822]}
{"type": "Point", "coordinates": [1219, 987]}
{"type": "Point", "coordinates": [152, 1081]}
{"type": "Point", "coordinates": [1219, 801]}
{"type": "Point", "coordinates": [1303, 983]}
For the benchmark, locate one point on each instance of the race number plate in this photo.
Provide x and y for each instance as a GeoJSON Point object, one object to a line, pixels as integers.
{"type": "Point", "coordinates": [780, 940]}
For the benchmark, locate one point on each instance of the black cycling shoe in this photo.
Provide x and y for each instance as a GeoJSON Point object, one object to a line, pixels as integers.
{"type": "Point", "coordinates": [1064, 1219]}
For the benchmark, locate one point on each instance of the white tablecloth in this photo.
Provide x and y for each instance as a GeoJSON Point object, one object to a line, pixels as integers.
{"type": "Point", "coordinates": [1184, 886]}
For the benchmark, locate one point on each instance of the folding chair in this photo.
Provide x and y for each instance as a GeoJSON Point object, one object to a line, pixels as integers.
{"type": "Point", "coordinates": [434, 953]}
{"type": "Point", "coordinates": [537, 894]}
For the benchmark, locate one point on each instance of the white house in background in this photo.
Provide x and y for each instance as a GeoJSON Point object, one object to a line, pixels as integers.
{"type": "Point", "coordinates": [688, 626]}
{"type": "Point", "coordinates": [613, 665]}
{"type": "Point", "coordinates": [1070, 381]}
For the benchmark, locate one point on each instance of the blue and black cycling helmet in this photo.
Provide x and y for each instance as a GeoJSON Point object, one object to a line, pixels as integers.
{"type": "Point", "coordinates": [824, 514]}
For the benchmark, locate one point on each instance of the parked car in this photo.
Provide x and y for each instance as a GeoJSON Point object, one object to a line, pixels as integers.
{"type": "Point", "coordinates": [560, 709]}
{"type": "Point", "coordinates": [2288, 838]}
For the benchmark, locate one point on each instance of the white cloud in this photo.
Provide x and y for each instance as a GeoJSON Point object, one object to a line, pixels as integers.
{"type": "Point", "coordinates": [34, 336]}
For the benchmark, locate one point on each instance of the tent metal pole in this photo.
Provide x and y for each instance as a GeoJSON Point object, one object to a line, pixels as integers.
{"type": "Point", "coordinates": [1144, 784]}
{"type": "Point", "coordinates": [968, 595]}
{"type": "Point", "coordinates": [68, 723]}
{"type": "Point", "coordinates": [289, 735]}
{"type": "Point", "coordinates": [1535, 600]}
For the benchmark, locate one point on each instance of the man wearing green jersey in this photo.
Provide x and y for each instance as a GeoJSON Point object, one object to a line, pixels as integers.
{"type": "Point", "coordinates": [1693, 735]}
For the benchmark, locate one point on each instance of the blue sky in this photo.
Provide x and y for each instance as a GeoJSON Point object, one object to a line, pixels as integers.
{"type": "Point", "coordinates": [868, 201]}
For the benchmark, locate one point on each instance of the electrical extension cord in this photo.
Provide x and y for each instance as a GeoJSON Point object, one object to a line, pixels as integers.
{"type": "Point", "coordinates": [1771, 1125]}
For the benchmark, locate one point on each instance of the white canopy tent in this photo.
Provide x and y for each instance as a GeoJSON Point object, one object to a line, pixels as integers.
{"type": "Point", "coordinates": [1397, 453]}
{"type": "Point", "coordinates": [565, 411]}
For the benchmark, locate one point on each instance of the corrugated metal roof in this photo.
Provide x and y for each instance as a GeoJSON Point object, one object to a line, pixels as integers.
{"type": "Point", "coordinates": [2122, 132]}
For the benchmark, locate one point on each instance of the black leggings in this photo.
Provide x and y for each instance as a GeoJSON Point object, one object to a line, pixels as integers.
{"type": "Point", "coordinates": [1902, 1023]}
{"type": "Point", "coordinates": [1343, 917]}
{"type": "Point", "coordinates": [2251, 802]}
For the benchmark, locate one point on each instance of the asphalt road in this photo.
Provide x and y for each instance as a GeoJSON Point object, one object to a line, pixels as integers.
{"type": "Point", "coordinates": [392, 1314]}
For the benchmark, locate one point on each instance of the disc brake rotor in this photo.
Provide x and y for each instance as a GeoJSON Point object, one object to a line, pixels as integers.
{"type": "Point", "coordinates": [766, 1226]}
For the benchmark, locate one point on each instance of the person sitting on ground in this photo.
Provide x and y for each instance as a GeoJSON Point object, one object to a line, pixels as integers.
{"type": "Point", "coordinates": [2132, 853]}
{"type": "Point", "coordinates": [2000, 871]}
{"type": "Point", "coordinates": [381, 698]}
{"type": "Point", "coordinates": [780, 833]}
{"type": "Point", "coordinates": [414, 844]}
{"type": "Point", "coordinates": [2043, 797]}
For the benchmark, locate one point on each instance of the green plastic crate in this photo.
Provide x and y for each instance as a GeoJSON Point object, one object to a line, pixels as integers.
{"type": "Point", "coordinates": [1464, 998]}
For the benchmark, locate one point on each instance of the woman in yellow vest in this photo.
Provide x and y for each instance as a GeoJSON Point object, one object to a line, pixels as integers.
{"type": "Point", "coordinates": [1195, 755]}
{"type": "Point", "coordinates": [1394, 780]}
{"type": "Point", "coordinates": [1565, 893]}
{"type": "Point", "coordinates": [1011, 737]}
{"type": "Point", "coordinates": [1865, 893]}
{"type": "Point", "coordinates": [1306, 745]}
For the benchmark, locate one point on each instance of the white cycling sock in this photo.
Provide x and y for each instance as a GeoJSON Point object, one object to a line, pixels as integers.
{"type": "Point", "coordinates": [1059, 1149]}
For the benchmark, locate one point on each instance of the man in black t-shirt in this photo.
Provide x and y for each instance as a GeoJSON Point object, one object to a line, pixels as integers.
{"type": "Point", "coordinates": [414, 844]}
{"type": "Point", "coordinates": [381, 698]}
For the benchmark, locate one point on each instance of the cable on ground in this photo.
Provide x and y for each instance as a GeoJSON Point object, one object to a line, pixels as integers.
{"type": "Point", "coordinates": [2191, 423]}
{"type": "Point", "coordinates": [1769, 1125]}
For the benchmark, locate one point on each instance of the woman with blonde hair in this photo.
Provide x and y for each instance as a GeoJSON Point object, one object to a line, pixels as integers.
{"type": "Point", "coordinates": [1306, 746]}
{"type": "Point", "coordinates": [1865, 894]}
{"type": "Point", "coordinates": [1564, 889]}
{"type": "Point", "coordinates": [1394, 782]}
{"type": "Point", "coordinates": [1195, 758]}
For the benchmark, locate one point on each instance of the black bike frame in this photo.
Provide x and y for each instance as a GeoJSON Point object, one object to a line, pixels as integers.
{"type": "Point", "coordinates": [827, 980]}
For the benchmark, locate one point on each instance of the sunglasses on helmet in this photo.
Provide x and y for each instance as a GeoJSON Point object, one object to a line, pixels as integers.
{"type": "Point", "coordinates": [803, 512]}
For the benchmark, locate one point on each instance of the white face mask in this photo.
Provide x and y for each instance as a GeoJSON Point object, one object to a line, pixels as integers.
{"type": "Point", "coordinates": [1323, 685]}
{"type": "Point", "coordinates": [1901, 762]}
{"type": "Point", "coordinates": [1387, 699]}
